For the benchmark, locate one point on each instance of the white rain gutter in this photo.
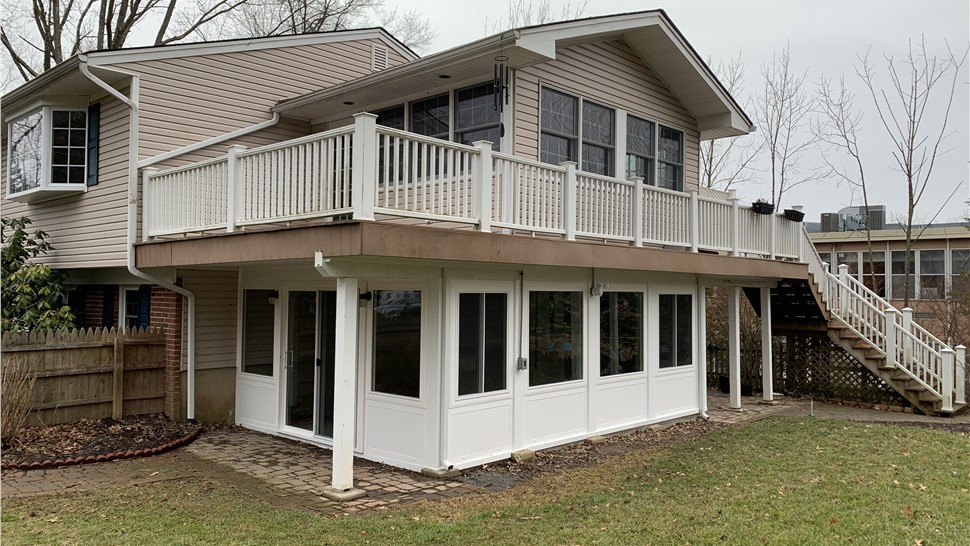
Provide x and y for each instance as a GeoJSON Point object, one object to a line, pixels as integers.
{"type": "Point", "coordinates": [210, 142]}
{"type": "Point", "coordinates": [132, 104]}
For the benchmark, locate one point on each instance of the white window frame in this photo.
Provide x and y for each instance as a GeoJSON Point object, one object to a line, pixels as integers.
{"type": "Point", "coordinates": [482, 287]}
{"type": "Point", "coordinates": [45, 186]}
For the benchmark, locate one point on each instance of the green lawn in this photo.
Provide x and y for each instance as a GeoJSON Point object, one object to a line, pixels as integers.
{"type": "Point", "coordinates": [777, 481]}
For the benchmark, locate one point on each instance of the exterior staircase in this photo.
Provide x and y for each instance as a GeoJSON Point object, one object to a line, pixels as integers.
{"type": "Point", "coordinates": [888, 342]}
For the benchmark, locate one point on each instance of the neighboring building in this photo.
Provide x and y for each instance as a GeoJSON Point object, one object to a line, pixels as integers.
{"type": "Point", "coordinates": [466, 271]}
{"type": "Point", "coordinates": [940, 254]}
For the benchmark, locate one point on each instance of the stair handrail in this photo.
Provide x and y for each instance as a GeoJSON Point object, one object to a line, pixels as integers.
{"type": "Point", "coordinates": [928, 372]}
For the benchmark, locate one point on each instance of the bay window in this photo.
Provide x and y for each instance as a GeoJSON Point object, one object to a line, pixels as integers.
{"type": "Point", "coordinates": [52, 152]}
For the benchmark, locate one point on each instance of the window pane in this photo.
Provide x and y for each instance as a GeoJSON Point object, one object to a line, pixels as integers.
{"type": "Point", "coordinates": [556, 149]}
{"type": "Point", "coordinates": [258, 315]}
{"type": "Point", "coordinates": [639, 136]}
{"type": "Point", "coordinates": [397, 342]}
{"type": "Point", "coordinates": [932, 266]}
{"type": "Point", "coordinates": [555, 337]}
{"type": "Point", "coordinates": [496, 350]}
{"type": "Point", "coordinates": [685, 331]}
{"type": "Point", "coordinates": [61, 119]}
{"type": "Point", "coordinates": [640, 166]}
{"type": "Point", "coordinates": [676, 330]}
{"type": "Point", "coordinates": [490, 134]}
{"type": "Point", "coordinates": [597, 124]}
{"type": "Point", "coordinates": [391, 117]}
{"type": "Point", "coordinates": [429, 117]}
{"type": "Point", "coordinates": [597, 159]}
{"type": "Point", "coordinates": [850, 259]}
{"type": "Point", "coordinates": [874, 272]}
{"type": "Point", "coordinates": [476, 107]}
{"type": "Point", "coordinates": [621, 333]}
{"type": "Point", "coordinates": [559, 112]}
{"type": "Point", "coordinates": [671, 145]}
{"type": "Point", "coordinates": [470, 343]}
{"type": "Point", "coordinates": [26, 152]}
{"type": "Point", "coordinates": [669, 177]}
{"type": "Point", "coordinates": [668, 330]}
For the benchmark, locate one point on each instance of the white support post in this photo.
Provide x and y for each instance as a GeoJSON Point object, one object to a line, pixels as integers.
{"type": "Point", "coordinates": [147, 202]}
{"type": "Point", "coordinates": [960, 377]}
{"type": "Point", "coordinates": [946, 388]}
{"type": "Point", "coordinates": [702, 350]}
{"type": "Point", "coordinates": [844, 290]}
{"type": "Point", "coordinates": [772, 235]}
{"type": "Point", "coordinates": [825, 282]}
{"type": "Point", "coordinates": [234, 193]}
{"type": "Point", "coordinates": [344, 393]}
{"type": "Point", "coordinates": [695, 223]}
{"type": "Point", "coordinates": [907, 327]}
{"type": "Point", "coordinates": [735, 225]}
{"type": "Point", "coordinates": [766, 361]}
{"type": "Point", "coordinates": [364, 166]}
{"type": "Point", "coordinates": [890, 335]}
{"type": "Point", "coordinates": [569, 208]}
{"type": "Point", "coordinates": [734, 345]}
{"type": "Point", "coordinates": [637, 212]}
{"type": "Point", "coordinates": [482, 184]}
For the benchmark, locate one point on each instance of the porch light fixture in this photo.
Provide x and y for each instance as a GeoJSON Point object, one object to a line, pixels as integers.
{"type": "Point", "coordinates": [348, 102]}
{"type": "Point", "coordinates": [597, 289]}
{"type": "Point", "coordinates": [444, 76]}
{"type": "Point", "coordinates": [365, 297]}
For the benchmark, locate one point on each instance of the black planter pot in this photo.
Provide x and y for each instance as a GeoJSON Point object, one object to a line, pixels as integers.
{"type": "Point", "coordinates": [794, 215]}
{"type": "Point", "coordinates": [763, 208]}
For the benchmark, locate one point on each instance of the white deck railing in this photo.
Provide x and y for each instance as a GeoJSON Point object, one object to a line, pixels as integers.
{"type": "Point", "coordinates": [369, 172]}
{"type": "Point", "coordinates": [906, 346]}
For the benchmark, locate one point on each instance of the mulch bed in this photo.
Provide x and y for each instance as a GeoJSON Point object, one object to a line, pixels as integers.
{"type": "Point", "coordinates": [96, 441]}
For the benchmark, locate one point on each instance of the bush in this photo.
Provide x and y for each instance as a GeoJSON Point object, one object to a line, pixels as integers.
{"type": "Point", "coordinates": [34, 295]}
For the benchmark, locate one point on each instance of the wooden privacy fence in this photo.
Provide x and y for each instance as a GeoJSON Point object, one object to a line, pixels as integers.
{"type": "Point", "coordinates": [91, 374]}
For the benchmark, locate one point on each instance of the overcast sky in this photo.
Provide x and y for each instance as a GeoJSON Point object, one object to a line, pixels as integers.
{"type": "Point", "coordinates": [824, 37]}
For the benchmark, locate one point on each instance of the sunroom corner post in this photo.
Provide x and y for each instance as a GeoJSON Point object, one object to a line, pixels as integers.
{"type": "Point", "coordinates": [695, 222]}
{"type": "Point", "coordinates": [234, 190]}
{"type": "Point", "coordinates": [702, 350]}
{"type": "Point", "coordinates": [569, 198]}
{"type": "Point", "coordinates": [947, 383]}
{"type": "Point", "coordinates": [345, 387]}
{"type": "Point", "coordinates": [482, 184]}
{"type": "Point", "coordinates": [637, 210]}
{"type": "Point", "coordinates": [734, 345]}
{"type": "Point", "coordinates": [147, 202]}
{"type": "Point", "coordinates": [960, 377]}
{"type": "Point", "coordinates": [363, 178]}
{"type": "Point", "coordinates": [767, 383]}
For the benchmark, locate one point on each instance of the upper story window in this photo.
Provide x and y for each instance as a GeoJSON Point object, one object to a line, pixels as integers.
{"type": "Point", "coordinates": [429, 117]}
{"type": "Point", "coordinates": [52, 152]}
{"type": "Point", "coordinates": [560, 127]}
{"type": "Point", "coordinates": [670, 171]}
{"type": "Point", "coordinates": [576, 129]}
{"type": "Point", "coordinates": [639, 148]}
{"type": "Point", "coordinates": [476, 117]}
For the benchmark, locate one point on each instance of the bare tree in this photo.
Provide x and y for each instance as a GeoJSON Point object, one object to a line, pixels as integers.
{"type": "Point", "coordinates": [838, 127]}
{"type": "Point", "coordinates": [783, 111]}
{"type": "Point", "coordinates": [902, 109]}
{"type": "Point", "coordinates": [522, 13]}
{"type": "Point", "coordinates": [727, 161]}
{"type": "Point", "coordinates": [408, 26]}
{"type": "Point", "coordinates": [53, 30]}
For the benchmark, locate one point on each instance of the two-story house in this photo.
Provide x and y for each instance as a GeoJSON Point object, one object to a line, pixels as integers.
{"type": "Point", "coordinates": [431, 263]}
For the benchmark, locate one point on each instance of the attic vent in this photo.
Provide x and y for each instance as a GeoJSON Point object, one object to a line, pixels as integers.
{"type": "Point", "coordinates": [378, 57]}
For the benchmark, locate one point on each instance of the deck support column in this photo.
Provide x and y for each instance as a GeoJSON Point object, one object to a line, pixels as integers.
{"type": "Point", "coordinates": [345, 385]}
{"type": "Point", "coordinates": [702, 350]}
{"type": "Point", "coordinates": [734, 344]}
{"type": "Point", "coordinates": [767, 386]}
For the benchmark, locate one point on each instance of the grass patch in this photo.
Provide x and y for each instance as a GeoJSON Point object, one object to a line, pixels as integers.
{"type": "Point", "coordinates": [777, 481]}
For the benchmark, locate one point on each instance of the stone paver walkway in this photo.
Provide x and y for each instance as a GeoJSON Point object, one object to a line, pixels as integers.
{"type": "Point", "coordinates": [292, 474]}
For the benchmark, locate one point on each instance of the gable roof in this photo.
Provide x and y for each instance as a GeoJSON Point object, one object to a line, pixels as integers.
{"type": "Point", "coordinates": [67, 70]}
{"type": "Point", "coordinates": [651, 34]}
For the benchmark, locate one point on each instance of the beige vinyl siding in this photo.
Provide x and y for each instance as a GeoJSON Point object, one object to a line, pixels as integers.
{"type": "Point", "coordinates": [88, 229]}
{"type": "Point", "coordinates": [216, 302]}
{"type": "Point", "coordinates": [609, 73]}
{"type": "Point", "coordinates": [191, 99]}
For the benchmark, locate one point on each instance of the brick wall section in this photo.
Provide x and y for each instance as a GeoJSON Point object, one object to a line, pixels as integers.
{"type": "Point", "coordinates": [94, 306]}
{"type": "Point", "coordinates": [166, 312]}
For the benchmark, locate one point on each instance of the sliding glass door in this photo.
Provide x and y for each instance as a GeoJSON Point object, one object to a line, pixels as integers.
{"type": "Point", "coordinates": [311, 323]}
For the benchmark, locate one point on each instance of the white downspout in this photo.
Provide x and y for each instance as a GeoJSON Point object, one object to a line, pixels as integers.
{"type": "Point", "coordinates": [132, 104]}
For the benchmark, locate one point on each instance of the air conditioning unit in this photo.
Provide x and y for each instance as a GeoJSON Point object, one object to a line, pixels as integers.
{"type": "Point", "coordinates": [831, 221]}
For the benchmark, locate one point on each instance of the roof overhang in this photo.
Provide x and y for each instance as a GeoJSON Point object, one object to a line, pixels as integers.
{"type": "Point", "coordinates": [651, 34]}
